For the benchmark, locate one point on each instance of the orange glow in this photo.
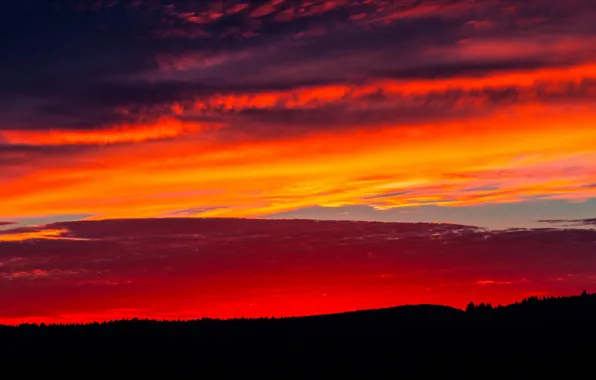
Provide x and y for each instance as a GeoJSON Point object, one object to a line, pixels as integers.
{"type": "Point", "coordinates": [45, 234]}
{"type": "Point", "coordinates": [257, 178]}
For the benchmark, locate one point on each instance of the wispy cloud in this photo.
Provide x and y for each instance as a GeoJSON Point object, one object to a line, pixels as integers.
{"type": "Point", "coordinates": [164, 128]}
{"type": "Point", "coordinates": [571, 222]}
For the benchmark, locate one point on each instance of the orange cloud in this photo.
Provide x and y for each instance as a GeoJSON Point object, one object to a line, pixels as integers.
{"type": "Point", "coordinates": [527, 83]}
{"type": "Point", "coordinates": [29, 235]}
{"type": "Point", "coordinates": [164, 128]}
{"type": "Point", "coordinates": [432, 164]}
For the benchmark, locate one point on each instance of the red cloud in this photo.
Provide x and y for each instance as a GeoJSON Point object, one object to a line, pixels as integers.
{"type": "Point", "coordinates": [186, 268]}
{"type": "Point", "coordinates": [480, 25]}
{"type": "Point", "coordinates": [266, 9]}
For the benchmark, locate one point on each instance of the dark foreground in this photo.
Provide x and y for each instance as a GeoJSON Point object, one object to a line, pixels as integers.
{"type": "Point", "coordinates": [539, 335]}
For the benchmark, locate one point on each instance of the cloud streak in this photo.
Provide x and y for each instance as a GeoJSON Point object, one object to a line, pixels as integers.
{"type": "Point", "coordinates": [571, 222]}
{"type": "Point", "coordinates": [164, 128]}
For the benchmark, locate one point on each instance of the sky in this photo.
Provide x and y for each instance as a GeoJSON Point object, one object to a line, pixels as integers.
{"type": "Point", "coordinates": [143, 113]}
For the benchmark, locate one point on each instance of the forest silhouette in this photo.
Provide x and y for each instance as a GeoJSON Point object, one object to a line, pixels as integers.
{"type": "Point", "coordinates": [538, 334]}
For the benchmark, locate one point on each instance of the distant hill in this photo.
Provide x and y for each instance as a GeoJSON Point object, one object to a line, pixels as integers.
{"type": "Point", "coordinates": [533, 329]}
{"type": "Point", "coordinates": [543, 311]}
{"type": "Point", "coordinates": [532, 312]}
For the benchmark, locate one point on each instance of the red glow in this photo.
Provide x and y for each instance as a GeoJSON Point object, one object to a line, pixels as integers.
{"type": "Point", "coordinates": [185, 268]}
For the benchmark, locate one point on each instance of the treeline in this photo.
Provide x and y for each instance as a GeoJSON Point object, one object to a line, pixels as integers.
{"type": "Point", "coordinates": [420, 338]}
{"type": "Point", "coordinates": [532, 311]}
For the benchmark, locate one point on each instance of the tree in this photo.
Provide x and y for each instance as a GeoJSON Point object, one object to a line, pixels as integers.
{"type": "Point", "coordinates": [470, 308]}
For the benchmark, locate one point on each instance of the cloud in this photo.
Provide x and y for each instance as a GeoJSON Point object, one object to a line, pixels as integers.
{"type": "Point", "coordinates": [491, 282]}
{"type": "Point", "coordinates": [480, 24]}
{"type": "Point", "coordinates": [32, 233]}
{"type": "Point", "coordinates": [218, 267]}
{"type": "Point", "coordinates": [79, 93]}
{"type": "Point", "coordinates": [571, 222]}
{"type": "Point", "coordinates": [266, 9]}
{"type": "Point", "coordinates": [35, 274]}
{"type": "Point", "coordinates": [421, 97]}
{"type": "Point", "coordinates": [244, 109]}
{"type": "Point", "coordinates": [324, 167]}
{"type": "Point", "coordinates": [163, 128]}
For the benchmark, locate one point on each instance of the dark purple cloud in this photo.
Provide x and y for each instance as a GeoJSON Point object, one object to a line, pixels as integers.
{"type": "Point", "coordinates": [94, 64]}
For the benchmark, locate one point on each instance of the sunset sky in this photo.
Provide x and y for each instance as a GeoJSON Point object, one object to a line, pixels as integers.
{"type": "Point", "coordinates": [120, 120]}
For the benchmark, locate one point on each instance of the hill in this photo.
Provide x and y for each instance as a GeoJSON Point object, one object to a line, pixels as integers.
{"type": "Point", "coordinates": [532, 311]}
{"type": "Point", "coordinates": [533, 329]}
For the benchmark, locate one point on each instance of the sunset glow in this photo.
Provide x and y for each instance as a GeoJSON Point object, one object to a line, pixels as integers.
{"type": "Point", "coordinates": [401, 111]}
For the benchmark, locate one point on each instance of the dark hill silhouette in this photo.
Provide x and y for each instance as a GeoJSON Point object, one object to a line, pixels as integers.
{"type": "Point", "coordinates": [533, 311]}
{"type": "Point", "coordinates": [519, 334]}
